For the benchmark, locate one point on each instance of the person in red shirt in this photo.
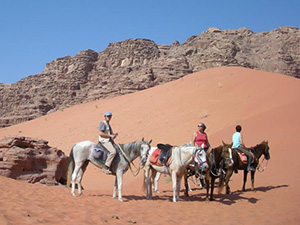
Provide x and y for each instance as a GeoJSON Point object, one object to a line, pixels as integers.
{"type": "Point", "coordinates": [200, 137]}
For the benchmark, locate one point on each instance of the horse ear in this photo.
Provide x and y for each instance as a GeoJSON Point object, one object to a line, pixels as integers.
{"type": "Point", "coordinates": [223, 142]}
{"type": "Point", "coordinates": [150, 141]}
{"type": "Point", "coordinates": [143, 139]}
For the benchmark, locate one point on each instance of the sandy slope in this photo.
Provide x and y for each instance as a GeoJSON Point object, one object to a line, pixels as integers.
{"type": "Point", "coordinates": [266, 105]}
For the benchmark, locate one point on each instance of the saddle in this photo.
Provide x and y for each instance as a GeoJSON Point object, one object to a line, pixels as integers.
{"type": "Point", "coordinates": [162, 155]}
{"type": "Point", "coordinates": [244, 158]}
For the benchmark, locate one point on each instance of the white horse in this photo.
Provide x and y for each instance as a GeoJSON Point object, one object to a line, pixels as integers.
{"type": "Point", "coordinates": [81, 155]}
{"type": "Point", "coordinates": [181, 157]}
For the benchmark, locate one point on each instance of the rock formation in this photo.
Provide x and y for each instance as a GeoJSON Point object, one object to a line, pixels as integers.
{"type": "Point", "coordinates": [32, 160]}
{"type": "Point", "coordinates": [136, 64]}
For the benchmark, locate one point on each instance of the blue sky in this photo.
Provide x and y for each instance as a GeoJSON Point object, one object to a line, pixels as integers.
{"type": "Point", "coordinates": [35, 32]}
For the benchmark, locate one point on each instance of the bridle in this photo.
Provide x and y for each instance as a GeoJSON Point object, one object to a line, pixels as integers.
{"type": "Point", "coordinates": [200, 161]}
{"type": "Point", "coordinates": [228, 160]}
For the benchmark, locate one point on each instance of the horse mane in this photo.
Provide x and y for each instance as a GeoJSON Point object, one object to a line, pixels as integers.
{"type": "Point", "coordinates": [261, 143]}
{"type": "Point", "coordinates": [131, 145]}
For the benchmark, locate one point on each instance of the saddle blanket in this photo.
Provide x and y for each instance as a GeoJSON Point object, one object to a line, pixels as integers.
{"type": "Point", "coordinates": [244, 158]}
{"type": "Point", "coordinates": [154, 158]}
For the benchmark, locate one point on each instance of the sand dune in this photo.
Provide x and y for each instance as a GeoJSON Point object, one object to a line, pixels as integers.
{"type": "Point", "coordinates": [267, 105]}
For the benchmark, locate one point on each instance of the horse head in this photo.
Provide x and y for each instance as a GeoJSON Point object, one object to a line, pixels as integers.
{"type": "Point", "coordinates": [144, 151]}
{"type": "Point", "coordinates": [200, 158]}
{"type": "Point", "coordinates": [227, 154]}
{"type": "Point", "coordinates": [266, 150]}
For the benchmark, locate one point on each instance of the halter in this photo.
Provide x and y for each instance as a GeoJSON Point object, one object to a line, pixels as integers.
{"type": "Point", "coordinates": [196, 153]}
{"type": "Point", "coordinates": [229, 159]}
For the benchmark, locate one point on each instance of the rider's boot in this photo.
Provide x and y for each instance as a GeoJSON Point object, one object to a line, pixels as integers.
{"type": "Point", "coordinates": [249, 167]}
{"type": "Point", "coordinates": [106, 170]}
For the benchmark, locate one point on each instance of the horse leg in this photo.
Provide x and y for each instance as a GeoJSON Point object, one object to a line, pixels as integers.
{"type": "Point", "coordinates": [178, 187]}
{"type": "Point", "coordinates": [79, 178]}
{"type": "Point", "coordinates": [156, 182]}
{"type": "Point", "coordinates": [120, 181]}
{"type": "Point", "coordinates": [252, 181]}
{"type": "Point", "coordinates": [174, 180]}
{"type": "Point", "coordinates": [186, 185]}
{"type": "Point", "coordinates": [151, 181]}
{"type": "Point", "coordinates": [115, 188]}
{"type": "Point", "coordinates": [212, 186]}
{"type": "Point", "coordinates": [74, 176]}
{"type": "Point", "coordinates": [146, 181]}
{"type": "Point", "coordinates": [80, 175]}
{"type": "Point", "coordinates": [245, 179]}
{"type": "Point", "coordinates": [227, 179]}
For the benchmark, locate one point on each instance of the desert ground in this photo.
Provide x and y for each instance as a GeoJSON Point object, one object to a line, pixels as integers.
{"type": "Point", "coordinates": [266, 105]}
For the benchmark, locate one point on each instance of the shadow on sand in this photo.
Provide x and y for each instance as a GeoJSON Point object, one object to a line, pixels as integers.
{"type": "Point", "coordinates": [200, 197]}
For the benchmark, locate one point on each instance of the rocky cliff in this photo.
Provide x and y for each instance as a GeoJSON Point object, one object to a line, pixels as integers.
{"type": "Point", "coordinates": [137, 64]}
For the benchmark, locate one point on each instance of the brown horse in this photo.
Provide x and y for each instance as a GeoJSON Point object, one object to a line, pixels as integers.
{"type": "Point", "coordinates": [216, 159]}
{"type": "Point", "coordinates": [237, 164]}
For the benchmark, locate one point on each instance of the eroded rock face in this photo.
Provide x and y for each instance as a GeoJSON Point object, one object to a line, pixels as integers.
{"type": "Point", "coordinates": [32, 160]}
{"type": "Point", "coordinates": [136, 64]}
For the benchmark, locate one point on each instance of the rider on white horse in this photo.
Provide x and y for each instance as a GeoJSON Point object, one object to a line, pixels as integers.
{"type": "Point", "coordinates": [106, 138]}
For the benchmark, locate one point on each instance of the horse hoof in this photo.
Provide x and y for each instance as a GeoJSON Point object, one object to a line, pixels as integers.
{"type": "Point", "coordinates": [120, 199]}
{"type": "Point", "coordinates": [73, 194]}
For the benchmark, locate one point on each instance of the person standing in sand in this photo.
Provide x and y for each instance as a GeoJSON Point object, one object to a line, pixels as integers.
{"type": "Point", "coordinates": [106, 138]}
{"type": "Point", "coordinates": [238, 144]}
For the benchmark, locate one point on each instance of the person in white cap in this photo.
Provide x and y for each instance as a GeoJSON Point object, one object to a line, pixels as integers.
{"type": "Point", "coordinates": [106, 138]}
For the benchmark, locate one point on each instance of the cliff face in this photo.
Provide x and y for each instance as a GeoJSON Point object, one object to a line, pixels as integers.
{"type": "Point", "coordinates": [137, 64]}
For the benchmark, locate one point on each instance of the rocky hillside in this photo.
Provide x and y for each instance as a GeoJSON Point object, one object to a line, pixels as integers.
{"type": "Point", "coordinates": [137, 64]}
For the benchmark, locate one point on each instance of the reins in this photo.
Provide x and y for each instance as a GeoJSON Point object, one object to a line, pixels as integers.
{"type": "Point", "coordinates": [260, 168]}
{"type": "Point", "coordinates": [134, 173]}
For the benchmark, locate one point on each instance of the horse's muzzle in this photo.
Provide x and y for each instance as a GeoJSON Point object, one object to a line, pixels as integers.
{"type": "Point", "coordinates": [143, 160]}
{"type": "Point", "coordinates": [204, 167]}
{"type": "Point", "coordinates": [228, 163]}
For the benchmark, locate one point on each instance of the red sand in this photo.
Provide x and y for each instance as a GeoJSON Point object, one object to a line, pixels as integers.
{"type": "Point", "coordinates": [267, 106]}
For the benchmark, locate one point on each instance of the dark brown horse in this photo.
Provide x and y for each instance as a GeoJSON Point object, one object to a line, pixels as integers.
{"type": "Point", "coordinates": [216, 159]}
{"type": "Point", "coordinates": [237, 164]}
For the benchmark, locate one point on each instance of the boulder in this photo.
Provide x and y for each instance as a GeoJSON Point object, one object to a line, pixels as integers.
{"type": "Point", "coordinates": [33, 161]}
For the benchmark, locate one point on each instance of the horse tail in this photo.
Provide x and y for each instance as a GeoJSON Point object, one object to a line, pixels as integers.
{"type": "Point", "coordinates": [70, 167]}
